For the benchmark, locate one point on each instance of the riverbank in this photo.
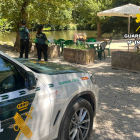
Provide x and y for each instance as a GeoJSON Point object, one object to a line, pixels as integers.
{"type": "Point", "coordinates": [64, 34]}
{"type": "Point", "coordinates": [9, 50]}
{"type": "Point", "coordinates": [8, 47]}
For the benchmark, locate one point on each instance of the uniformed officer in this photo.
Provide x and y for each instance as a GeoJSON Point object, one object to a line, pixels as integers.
{"type": "Point", "coordinates": [41, 45]}
{"type": "Point", "coordinates": [24, 39]}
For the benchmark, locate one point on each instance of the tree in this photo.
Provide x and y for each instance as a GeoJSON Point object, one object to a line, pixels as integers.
{"type": "Point", "coordinates": [118, 25]}
{"type": "Point", "coordinates": [5, 26]}
{"type": "Point", "coordinates": [41, 11]}
{"type": "Point", "coordinates": [88, 12]}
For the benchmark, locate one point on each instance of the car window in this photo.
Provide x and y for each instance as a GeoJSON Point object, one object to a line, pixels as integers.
{"type": "Point", "coordinates": [11, 77]}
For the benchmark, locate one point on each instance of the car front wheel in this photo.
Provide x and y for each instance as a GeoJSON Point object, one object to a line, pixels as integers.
{"type": "Point", "coordinates": [78, 122]}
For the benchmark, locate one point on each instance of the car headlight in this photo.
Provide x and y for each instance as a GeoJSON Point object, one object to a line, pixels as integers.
{"type": "Point", "coordinates": [92, 78]}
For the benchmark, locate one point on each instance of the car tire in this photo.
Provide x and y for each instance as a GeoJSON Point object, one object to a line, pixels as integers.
{"type": "Point", "coordinates": [78, 121]}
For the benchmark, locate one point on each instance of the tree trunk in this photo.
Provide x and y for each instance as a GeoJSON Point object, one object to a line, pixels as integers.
{"type": "Point", "coordinates": [99, 35]}
{"type": "Point", "coordinates": [17, 42]}
{"type": "Point", "coordinates": [23, 17]}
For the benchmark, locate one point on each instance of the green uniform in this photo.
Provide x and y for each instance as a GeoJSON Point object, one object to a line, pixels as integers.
{"type": "Point", "coordinates": [23, 32]}
{"type": "Point", "coordinates": [24, 41]}
{"type": "Point", "coordinates": [41, 38]}
{"type": "Point", "coordinates": [42, 46]}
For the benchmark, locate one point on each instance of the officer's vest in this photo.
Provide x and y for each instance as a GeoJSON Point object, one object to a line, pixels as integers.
{"type": "Point", "coordinates": [23, 31]}
{"type": "Point", "coordinates": [41, 35]}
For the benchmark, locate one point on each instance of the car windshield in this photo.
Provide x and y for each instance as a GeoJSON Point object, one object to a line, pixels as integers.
{"type": "Point", "coordinates": [47, 67]}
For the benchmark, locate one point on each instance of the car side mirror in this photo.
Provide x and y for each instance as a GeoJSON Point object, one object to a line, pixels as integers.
{"type": "Point", "coordinates": [30, 80]}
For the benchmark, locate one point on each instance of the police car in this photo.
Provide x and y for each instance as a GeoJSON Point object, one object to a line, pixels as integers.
{"type": "Point", "coordinates": [45, 101]}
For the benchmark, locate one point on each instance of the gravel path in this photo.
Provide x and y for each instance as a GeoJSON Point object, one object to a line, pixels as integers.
{"type": "Point", "coordinates": [119, 101]}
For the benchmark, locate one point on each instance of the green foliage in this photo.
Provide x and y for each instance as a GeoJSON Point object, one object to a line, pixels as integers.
{"type": "Point", "coordinates": [5, 26]}
{"type": "Point", "coordinates": [63, 26]}
{"type": "Point", "coordinates": [119, 25]}
{"type": "Point", "coordinates": [71, 27]}
{"type": "Point", "coordinates": [41, 11]}
{"type": "Point", "coordinates": [81, 47]}
{"type": "Point", "coordinates": [64, 14]}
{"type": "Point", "coordinates": [47, 29]}
{"type": "Point", "coordinates": [87, 10]}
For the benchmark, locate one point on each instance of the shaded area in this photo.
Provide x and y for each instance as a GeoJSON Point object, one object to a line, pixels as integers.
{"type": "Point", "coordinates": [119, 106]}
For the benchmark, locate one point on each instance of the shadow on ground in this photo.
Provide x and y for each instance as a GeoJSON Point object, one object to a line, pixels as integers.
{"type": "Point", "coordinates": [118, 117]}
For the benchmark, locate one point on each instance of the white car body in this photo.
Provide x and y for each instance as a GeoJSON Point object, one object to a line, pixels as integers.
{"type": "Point", "coordinates": [52, 96]}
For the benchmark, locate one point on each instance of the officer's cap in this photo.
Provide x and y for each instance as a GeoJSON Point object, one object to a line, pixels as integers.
{"type": "Point", "coordinates": [23, 22]}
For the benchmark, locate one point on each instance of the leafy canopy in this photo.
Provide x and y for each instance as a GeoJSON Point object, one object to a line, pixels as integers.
{"type": "Point", "coordinates": [88, 9]}
{"type": "Point", "coordinates": [119, 25]}
{"type": "Point", "coordinates": [41, 11]}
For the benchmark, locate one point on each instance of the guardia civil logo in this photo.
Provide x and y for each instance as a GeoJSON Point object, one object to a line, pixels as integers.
{"type": "Point", "coordinates": [128, 36]}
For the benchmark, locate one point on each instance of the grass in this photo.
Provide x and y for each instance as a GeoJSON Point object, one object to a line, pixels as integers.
{"type": "Point", "coordinates": [47, 29]}
{"type": "Point", "coordinates": [81, 47]}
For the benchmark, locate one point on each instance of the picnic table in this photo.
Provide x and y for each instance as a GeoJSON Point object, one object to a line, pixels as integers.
{"type": "Point", "coordinates": [98, 49]}
{"type": "Point", "coordinates": [94, 43]}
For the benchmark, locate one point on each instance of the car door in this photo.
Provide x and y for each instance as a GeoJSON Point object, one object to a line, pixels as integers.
{"type": "Point", "coordinates": [15, 102]}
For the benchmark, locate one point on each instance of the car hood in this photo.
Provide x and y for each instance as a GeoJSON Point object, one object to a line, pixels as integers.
{"type": "Point", "coordinates": [48, 68]}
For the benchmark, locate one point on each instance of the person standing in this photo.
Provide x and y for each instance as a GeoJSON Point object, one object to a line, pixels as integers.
{"type": "Point", "coordinates": [24, 39]}
{"type": "Point", "coordinates": [40, 44]}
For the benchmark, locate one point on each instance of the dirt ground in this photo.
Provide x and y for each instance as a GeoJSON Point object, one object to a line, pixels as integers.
{"type": "Point", "coordinates": [118, 117]}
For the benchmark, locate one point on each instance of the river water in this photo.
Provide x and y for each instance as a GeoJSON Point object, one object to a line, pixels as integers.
{"type": "Point", "coordinates": [66, 34]}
